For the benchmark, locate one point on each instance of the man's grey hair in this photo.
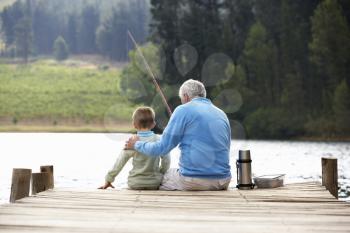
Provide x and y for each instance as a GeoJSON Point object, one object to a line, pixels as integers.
{"type": "Point", "coordinates": [192, 88]}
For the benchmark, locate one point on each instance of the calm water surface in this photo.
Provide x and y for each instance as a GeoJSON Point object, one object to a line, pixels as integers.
{"type": "Point", "coordinates": [82, 160]}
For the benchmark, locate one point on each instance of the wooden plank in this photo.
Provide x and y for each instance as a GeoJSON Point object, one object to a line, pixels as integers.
{"type": "Point", "coordinates": [293, 208]}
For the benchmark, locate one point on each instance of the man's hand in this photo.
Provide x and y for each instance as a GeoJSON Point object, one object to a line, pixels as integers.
{"type": "Point", "coordinates": [129, 145]}
{"type": "Point", "coordinates": [106, 186]}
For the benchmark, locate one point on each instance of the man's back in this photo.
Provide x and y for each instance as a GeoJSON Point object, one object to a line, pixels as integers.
{"type": "Point", "coordinates": [205, 144]}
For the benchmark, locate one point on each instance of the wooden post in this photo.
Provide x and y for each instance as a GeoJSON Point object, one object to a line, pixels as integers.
{"type": "Point", "coordinates": [20, 183]}
{"type": "Point", "coordinates": [330, 175]}
{"type": "Point", "coordinates": [49, 169]}
{"type": "Point", "coordinates": [40, 182]}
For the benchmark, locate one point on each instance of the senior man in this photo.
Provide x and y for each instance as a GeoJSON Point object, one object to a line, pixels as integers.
{"type": "Point", "coordinates": [203, 134]}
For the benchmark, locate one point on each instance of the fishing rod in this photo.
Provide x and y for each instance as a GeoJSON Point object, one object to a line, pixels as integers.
{"type": "Point", "coordinates": [165, 102]}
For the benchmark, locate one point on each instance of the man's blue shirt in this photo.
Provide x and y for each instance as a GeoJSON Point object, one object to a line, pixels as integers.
{"type": "Point", "coordinates": [203, 134]}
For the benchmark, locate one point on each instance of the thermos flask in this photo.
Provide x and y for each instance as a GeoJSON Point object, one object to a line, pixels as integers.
{"type": "Point", "coordinates": [244, 170]}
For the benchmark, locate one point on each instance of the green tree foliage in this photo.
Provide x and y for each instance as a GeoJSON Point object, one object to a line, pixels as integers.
{"type": "Point", "coordinates": [341, 108]}
{"type": "Point", "coordinates": [294, 62]}
{"type": "Point", "coordinates": [259, 59]}
{"type": "Point", "coordinates": [137, 86]}
{"type": "Point", "coordinates": [330, 56]}
{"type": "Point", "coordinates": [197, 23]}
{"type": "Point", "coordinates": [80, 22]}
{"type": "Point", "coordinates": [112, 33]}
{"type": "Point", "coordinates": [61, 51]}
{"type": "Point", "coordinates": [135, 82]}
{"type": "Point", "coordinates": [330, 45]}
{"type": "Point", "coordinates": [24, 38]}
{"type": "Point", "coordinates": [90, 19]}
{"type": "Point", "coordinates": [346, 8]}
{"type": "Point", "coordinates": [166, 25]}
{"type": "Point", "coordinates": [201, 26]}
{"type": "Point", "coordinates": [72, 33]}
{"type": "Point", "coordinates": [240, 18]}
{"type": "Point", "coordinates": [288, 57]}
{"type": "Point", "coordinates": [9, 18]}
{"type": "Point", "coordinates": [45, 28]}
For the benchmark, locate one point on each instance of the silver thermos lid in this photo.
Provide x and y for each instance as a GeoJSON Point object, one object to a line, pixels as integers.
{"type": "Point", "coordinates": [244, 155]}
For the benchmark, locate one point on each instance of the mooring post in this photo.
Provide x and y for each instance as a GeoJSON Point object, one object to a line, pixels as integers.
{"type": "Point", "coordinates": [49, 169]}
{"type": "Point", "coordinates": [40, 182]}
{"type": "Point", "coordinates": [330, 175]}
{"type": "Point", "coordinates": [20, 183]}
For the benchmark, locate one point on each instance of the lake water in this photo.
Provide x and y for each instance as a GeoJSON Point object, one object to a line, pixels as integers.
{"type": "Point", "coordinates": [82, 159]}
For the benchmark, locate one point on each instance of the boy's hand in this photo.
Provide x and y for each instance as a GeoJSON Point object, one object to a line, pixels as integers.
{"type": "Point", "coordinates": [106, 186]}
{"type": "Point", "coordinates": [129, 145]}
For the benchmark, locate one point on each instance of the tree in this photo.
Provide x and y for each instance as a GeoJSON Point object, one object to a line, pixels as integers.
{"type": "Point", "coordinates": [72, 32]}
{"type": "Point", "coordinates": [138, 18]}
{"type": "Point", "coordinates": [90, 20]}
{"type": "Point", "coordinates": [112, 38]}
{"type": "Point", "coordinates": [61, 51]}
{"type": "Point", "coordinates": [77, 21]}
{"type": "Point", "coordinates": [341, 108]}
{"type": "Point", "coordinates": [112, 35]}
{"type": "Point", "coordinates": [293, 94]}
{"type": "Point", "coordinates": [196, 23]}
{"type": "Point", "coordinates": [268, 13]}
{"type": "Point", "coordinates": [165, 23]}
{"type": "Point", "coordinates": [346, 8]}
{"type": "Point", "coordinates": [239, 19]}
{"type": "Point", "coordinates": [24, 38]}
{"type": "Point", "coordinates": [165, 30]}
{"type": "Point", "coordinates": [9, 18]}
{"type": "Point", "coordinates": [201, 27]}
{"type": "Point", "coordinates": [259, 60]}
{"type": "Point", "coordinates": [330, 45]}
{"type": "Point", "coordinates": [45, 28]}
{"type": "Point", "coordinates": [295, 34]}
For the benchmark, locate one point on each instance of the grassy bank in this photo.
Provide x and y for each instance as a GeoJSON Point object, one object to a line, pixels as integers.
{"type": "Point", "coordinates": [70, 96]}
{"type": "Point", "coordinates": [90, 128]}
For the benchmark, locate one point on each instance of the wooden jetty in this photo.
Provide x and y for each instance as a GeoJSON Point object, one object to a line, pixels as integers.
{"type": "Point", "coordinates": [304, 207]}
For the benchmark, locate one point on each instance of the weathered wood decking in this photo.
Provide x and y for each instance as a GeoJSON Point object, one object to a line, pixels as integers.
{"type": "Point", "coordinates": [298, 208]}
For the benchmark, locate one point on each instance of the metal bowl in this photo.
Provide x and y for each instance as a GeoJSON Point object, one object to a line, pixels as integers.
{"type": "Point", "coordinates": [269, 181]}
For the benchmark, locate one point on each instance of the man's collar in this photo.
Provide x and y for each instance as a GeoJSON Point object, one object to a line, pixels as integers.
{"type": "Point", "coordinates": [201, 99]}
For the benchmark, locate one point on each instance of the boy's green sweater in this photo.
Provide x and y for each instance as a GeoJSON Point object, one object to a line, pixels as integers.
{"type": "Point", "coordinates": [147, 172]}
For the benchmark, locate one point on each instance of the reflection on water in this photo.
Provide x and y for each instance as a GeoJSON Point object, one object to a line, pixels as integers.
{"type": "Point", "coordinates": [82, 160]}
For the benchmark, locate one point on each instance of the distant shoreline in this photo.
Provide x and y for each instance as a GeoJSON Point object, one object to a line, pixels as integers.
{"type": "Point", "coordinates": [65, 129]}
{"type": "Point", "coordinates": [126, 128]}
{"type": "Point", "coordinates": [322, 139]}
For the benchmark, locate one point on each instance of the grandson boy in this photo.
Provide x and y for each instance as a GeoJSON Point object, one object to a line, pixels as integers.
{"type": "Point", "coordinates": [147, 172]}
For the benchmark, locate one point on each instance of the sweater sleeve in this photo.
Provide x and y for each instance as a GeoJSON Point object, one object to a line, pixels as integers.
{"type": "Point", "coordinates": [171, 137]}
{"type": "Point", "coordinates": [122, 159]}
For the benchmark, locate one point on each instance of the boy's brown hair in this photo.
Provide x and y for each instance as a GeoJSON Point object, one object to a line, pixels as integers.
{"type": "Point", "coordinates": [143, 117]}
